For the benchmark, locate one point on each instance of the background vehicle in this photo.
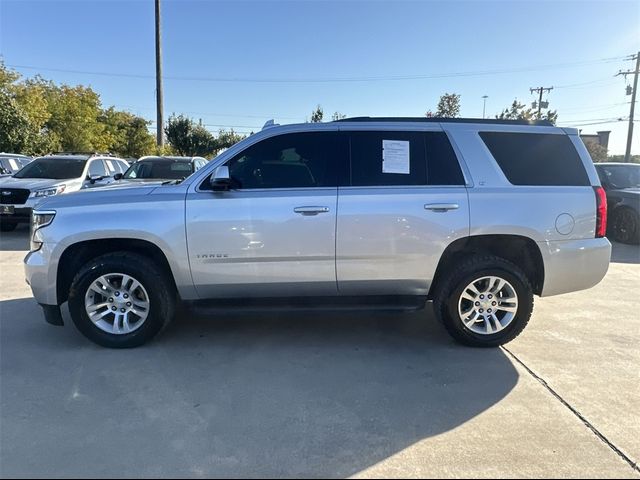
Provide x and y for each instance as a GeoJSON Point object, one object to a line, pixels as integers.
{"type": "Point", "coordinates": [10, 163]}
{"type": "Point", "coordinates": [476, 216]}
{"type": "Point", "coordinates": [52, 175]}
{"type": "Point", "coordinates": [162, 168]}
{"type": "Point", "coordinates": [621, 181]}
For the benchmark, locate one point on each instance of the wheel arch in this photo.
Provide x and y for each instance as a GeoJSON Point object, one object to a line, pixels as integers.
{"type": "Point", "coordinates": [517, 249]}
{"type": "Point", "coordinates": [78, 254]}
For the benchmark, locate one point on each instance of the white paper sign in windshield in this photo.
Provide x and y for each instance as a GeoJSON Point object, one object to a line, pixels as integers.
{"type": "Point", "coordinates": [395, 156]}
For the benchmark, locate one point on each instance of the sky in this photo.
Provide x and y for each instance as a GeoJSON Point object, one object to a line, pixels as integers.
{"type": "Point", "coordinates": [239, 63]}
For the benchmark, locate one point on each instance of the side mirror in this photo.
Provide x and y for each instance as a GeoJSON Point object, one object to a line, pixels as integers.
{"type": "Point", "coordinates": [118, 176]}
{"type": "Point", "coordinates": [220, 180]}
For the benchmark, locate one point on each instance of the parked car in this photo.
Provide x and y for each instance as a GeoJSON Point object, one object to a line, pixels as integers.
{"type": "Point", "coordinates": [52, 175]}
{"type": "Point", "coordinates": [475, 216]}
{"type": "Point", "coordinates": [621, 181]}
{"type": "Point", "coordinates": [10, 163]}
{"type": "Point", "coordinates": [159, 169]}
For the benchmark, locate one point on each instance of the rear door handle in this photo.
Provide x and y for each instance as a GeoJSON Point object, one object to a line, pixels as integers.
{"type": "Point", "coordinates": [311, 210]}
{"type": "Point", "coordinates": [441, 207]}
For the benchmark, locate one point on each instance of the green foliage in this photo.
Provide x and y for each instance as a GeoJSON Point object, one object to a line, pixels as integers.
{"type": "Point", "coordinates": [519, 111]}
{"type": "Point", "coordinates": [227, 139]}
{"type": "Point", "coordinates": [127, 134]}
{"type": "Point", "coordinates": [187, 137]}
{"type": "Point", "coordinates": [448, 106]}
{"type": "Point", "coordinates": [39, 116]}
{"type": "Point", "coordinates": [598, 152]}
{"type": "Point", "coordinates": [317, 115]}
{"type": "Point", "coordinates": [191, 139]}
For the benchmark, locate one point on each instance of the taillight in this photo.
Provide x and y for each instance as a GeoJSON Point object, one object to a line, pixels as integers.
{"type": "Point", "coordinates": [601, 212]}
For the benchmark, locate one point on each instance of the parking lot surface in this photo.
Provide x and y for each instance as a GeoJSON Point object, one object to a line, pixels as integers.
{"type": "Point", "coordinates": [324, 395]}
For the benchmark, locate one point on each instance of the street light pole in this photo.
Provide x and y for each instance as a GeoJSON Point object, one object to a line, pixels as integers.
{"type": "Point", "coordinates": [159, 107]}
{"type": "Point", "coordinates": [484, 105]}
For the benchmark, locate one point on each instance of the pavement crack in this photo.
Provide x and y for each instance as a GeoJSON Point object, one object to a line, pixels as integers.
{"type": "Point", "coordinates": [575, 412]}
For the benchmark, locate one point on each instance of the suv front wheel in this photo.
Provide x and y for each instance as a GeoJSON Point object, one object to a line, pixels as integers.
{"type": "Point", "coordinates": [121, 300]}
{"type": "Point", "coordinates": [485, 301]}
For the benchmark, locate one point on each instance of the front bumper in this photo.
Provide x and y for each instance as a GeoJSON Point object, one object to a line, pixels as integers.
{"type": "Point", "coordinates": [40, 273]}
{"type": "Point", "coordinates": [572, 265]}
{"type": "Point", "coordinates": [21, 214]}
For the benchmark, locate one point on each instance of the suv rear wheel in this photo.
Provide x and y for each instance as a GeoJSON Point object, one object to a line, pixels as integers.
{"type": "Point", "coordinates": [121, 300]}
{"type": "Point", "coordinates": [485, 301]}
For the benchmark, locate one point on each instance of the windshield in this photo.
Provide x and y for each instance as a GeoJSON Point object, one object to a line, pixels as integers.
{"type": "Point", "coordinates": [620, 176]}
{"type": "Point", "coordinates": [161, 169]}
{"type": "Point", "coordinates": [54, 168]}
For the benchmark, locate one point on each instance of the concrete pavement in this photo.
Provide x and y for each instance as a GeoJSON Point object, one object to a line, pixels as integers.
{"type": "Point", "coordinates": [325, 395]}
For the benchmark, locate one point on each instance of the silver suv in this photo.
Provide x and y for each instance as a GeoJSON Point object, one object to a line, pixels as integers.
{"type": "Point", "coordinates": [474, 216]}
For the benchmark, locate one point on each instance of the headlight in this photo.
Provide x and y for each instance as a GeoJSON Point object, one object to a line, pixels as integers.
{"type": "Point", "coordinates": [47, 192]}
{"type": "Point", "coordinates": [39, 220]}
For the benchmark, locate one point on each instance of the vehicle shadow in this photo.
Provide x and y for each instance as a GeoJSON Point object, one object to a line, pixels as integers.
{"type": "Point", "coordinates": [621, 253]}
{"type": "Point", "coordinates": [15, 241]}
{"type": "Point", "coordinates": [313, 395]}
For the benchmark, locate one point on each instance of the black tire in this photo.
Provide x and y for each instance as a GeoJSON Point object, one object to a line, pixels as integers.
{"type": "Point", "coordinates": [6, 226]}
{"type": "Point", "coordinates": [454, 282]}
{"type": "Point", "coordinates": [625, 226]}
{"type": "Point", "coordinates": [159, 288]}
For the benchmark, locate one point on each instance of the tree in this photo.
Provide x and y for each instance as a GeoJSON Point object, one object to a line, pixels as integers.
{"type": "Point", "coordinates": [15, 129]}
{"type": "Point", "coordinates": [519, 111]}
{"type": "Point", "coordinates": [188, 138]}
{"type": "Point", "coordinates": [337, 116]}
{"type": "Point", "coordinates": [128, 134]}
{"type": "Point", "coordinates": [317, 114]}
{"type": "Point", "coordinates": [226, 139]}
{"type": "Point", "coordinates": [75, 113]}
{"type": "Point", "coordinates": [448, 106]}
{"type": "Point", "coordinates": [598, 152]}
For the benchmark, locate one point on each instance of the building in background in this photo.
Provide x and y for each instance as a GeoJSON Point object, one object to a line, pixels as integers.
{"type": "Point", "coordinates": [600, 138]}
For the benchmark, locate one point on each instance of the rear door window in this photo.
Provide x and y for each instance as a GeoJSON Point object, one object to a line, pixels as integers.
{"type": "Point", "coordinates": [536, 158]}
{"type": "Point", "coordinates": [388, 158]}
{"type": "Point", "coordinates": [419, 158]}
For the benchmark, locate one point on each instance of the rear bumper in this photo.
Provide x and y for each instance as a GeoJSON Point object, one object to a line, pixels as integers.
{"type": "Point", "coordinates": [571, 265]}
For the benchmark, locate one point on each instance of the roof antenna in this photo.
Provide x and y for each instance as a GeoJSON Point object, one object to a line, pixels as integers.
{"type": "Point", "coordinates": [269, 124]}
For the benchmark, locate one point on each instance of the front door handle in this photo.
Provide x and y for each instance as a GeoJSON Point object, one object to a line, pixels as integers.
{"type": "Point", "coordinates": [441, 207]}
{"type": "Point", "coordinates": [311, 210]}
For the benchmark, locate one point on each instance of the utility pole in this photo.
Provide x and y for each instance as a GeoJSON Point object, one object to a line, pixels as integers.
{"type": "Point", "coordinates": [484, 105]}
{"type": "Point", "coordinates": [159, 108]}
{"type": "Point", "coordinates": [636, 57]}
{"type": "Point", "coordinates": [540, 90]}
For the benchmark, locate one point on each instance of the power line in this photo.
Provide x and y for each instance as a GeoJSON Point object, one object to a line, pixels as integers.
{"type": "Point", "coordinates": [333, 79]}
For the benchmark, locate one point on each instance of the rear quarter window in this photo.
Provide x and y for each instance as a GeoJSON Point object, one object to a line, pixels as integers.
{"type": "Point", "coordinates": [536, 158]}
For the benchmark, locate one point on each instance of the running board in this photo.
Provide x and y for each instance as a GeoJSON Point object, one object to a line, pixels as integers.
{"type": "Point", "coordinates": [391, 304]}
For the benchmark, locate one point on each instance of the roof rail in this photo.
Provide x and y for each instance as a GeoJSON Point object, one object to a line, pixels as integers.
{"type": "Point", "coordinates": [93, 154]}
{"type": "Point", "coordinates": [489, 121]}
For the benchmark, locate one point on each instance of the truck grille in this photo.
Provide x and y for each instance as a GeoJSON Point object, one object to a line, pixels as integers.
{"type": "Point", "coordinates": [13, 196]}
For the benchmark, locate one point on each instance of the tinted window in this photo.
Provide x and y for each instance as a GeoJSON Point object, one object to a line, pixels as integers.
{"type": "Point", "coordinates": [97, 169]}
{"type": "Point", "coordinates": [536, 159]}
{"type": "Point", "coordinates": [442, 164]}
{"type": "Point", "coordinates": [371, 166]}
{"type": "Point", "coordinates": [619, 176]}
{"type": "Point", "coordinates": [296, 160]}
{"type": "Point", "coordinates": [52, 167]}
{"type": "Point", "coordinates": [160, 169]}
